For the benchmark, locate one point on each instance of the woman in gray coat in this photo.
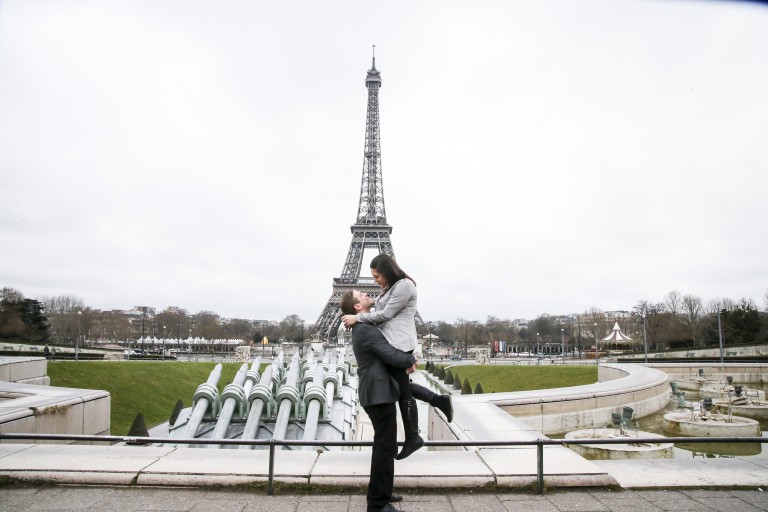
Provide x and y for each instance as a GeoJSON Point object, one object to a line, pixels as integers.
{"type": "Point", "coordinates": [395, 315]}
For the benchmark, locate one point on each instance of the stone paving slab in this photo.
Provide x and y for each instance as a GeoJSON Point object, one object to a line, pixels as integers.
{"type": "Point", "coordinates": [516, 467]}
{"type": "Point", "coordinates": [207, 467]}
{"type": "Point", "coordinates": [422, 469]}
{"type": "Point", "coordinates": [667, 473]}
{"type": "Point", "coordinates": [85, 464]}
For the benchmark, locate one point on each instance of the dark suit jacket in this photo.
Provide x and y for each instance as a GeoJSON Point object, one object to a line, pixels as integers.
{"type": "Point", "coordinates": [373, 354]}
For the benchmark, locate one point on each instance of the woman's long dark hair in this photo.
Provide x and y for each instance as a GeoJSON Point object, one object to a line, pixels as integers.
{"type": "Point", "coordinates": [388, 267]}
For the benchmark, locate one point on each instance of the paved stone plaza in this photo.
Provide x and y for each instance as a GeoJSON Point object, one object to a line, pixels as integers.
{"type": "Point", "coordinates": [121, 499]}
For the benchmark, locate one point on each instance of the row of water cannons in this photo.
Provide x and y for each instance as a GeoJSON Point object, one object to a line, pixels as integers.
{"type": "Point", "coordinates": [301, 390]}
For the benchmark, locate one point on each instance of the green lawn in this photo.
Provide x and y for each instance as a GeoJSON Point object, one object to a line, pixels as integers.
{"type": "Point", "coordinates": [152, 387]}
{"type": "Point", "coordinates": [496, 379]}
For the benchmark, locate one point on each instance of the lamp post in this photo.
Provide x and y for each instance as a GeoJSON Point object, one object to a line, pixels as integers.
{"type": "Point", "coordinates": [143, 314]}
{"type": "Point", "coordinates": [645, 339]}
{"type": "Point", "coordinates": [301, 342]}
{"type": "Point", "coordinates": [720, 333]}
{"type": "Point", "coordinates": [429, 343]}
{"type": "Point", "coordinates": [466, 341]}
{"type": "Point", "coordinates": [77, 337]}
{"type": "Point", "coordinates": [538, 344]}
{"type": "Point", "coordinates": [562, 334]}
{"type": "Point", "coordinates": [163, 345]}
{"type": "Point", "coordinates": [597, 356]}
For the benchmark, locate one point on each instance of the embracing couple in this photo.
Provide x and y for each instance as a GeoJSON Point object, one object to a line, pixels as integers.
{"type": "Point", "coordinates": [383, 342]}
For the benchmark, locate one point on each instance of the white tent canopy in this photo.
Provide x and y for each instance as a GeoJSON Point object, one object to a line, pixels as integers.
{"type": "Point", "coordinates": [616, 336]}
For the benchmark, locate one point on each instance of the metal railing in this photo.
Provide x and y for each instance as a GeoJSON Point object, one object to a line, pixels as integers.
{"type": "Point", "coordinates": [272, 443]}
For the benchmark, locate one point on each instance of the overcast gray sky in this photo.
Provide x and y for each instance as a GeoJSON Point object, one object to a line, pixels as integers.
{"type": "Point", "coordinates": [538, 156]}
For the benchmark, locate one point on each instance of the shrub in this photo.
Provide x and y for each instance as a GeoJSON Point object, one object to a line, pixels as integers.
{"type": "Point", "coordinates": [441, 373]}
{"type": "Point", "coordinates": [478, 389]}
{"type": "Point", "coordinates": [448, 377]}
{"type": "Point", "coordinates": [456, 383]}
{"type": "Point", "coordinates": [466, 389]}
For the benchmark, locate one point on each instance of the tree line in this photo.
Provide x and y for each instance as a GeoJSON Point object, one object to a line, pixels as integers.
{"type": "Point", "coordinates": [63, 319]}
{"type": "Point", "coordinates": [676, 321]}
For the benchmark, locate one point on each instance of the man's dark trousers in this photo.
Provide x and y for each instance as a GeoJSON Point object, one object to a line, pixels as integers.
{"type": "Point", "coordinates": [384, 421]}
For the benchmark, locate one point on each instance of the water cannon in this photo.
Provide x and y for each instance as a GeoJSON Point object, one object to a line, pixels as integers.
{"type": "Point", "coordinates": [701, 372]}
{"type": "Point", "coordinates": [707, 402]}
{"type": "Point", "coordinates": [738, 389]}
{"type": "Point", "coordinates": [627, 413]}
{"type": "Point", "coordinates": [729, 378]}
{"type": "Point", "coordinates": [616, 419]}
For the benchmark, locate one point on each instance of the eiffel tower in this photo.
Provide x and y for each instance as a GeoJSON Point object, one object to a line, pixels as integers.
{"type": "Point", "coordinates": [371, 230]}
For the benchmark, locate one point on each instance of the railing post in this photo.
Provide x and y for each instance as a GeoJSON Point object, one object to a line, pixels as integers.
{"type": "Point", "coordinates": [271, 476]}
{"type": "Point", "coordinates": [540, 467]}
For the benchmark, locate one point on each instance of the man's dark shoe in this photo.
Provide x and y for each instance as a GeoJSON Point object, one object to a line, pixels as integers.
{"type": "Point", "coordinates": [389, 508]}
{"type": "Point", "coordinates": [444, 403]}
{"type": "Point", "coordinates": [395, 498]}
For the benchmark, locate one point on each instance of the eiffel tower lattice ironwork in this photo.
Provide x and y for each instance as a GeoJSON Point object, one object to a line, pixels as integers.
{"type": "Point", "coordinates": [371, 230]}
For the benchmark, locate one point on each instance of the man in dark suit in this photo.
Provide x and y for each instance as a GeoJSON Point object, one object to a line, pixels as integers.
{"type": "Point", "coordinates": [377, 392]}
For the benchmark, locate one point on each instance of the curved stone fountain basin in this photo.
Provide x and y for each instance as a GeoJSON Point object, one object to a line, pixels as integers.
{"type": "Point", "coordinates": [681, 424]}
{"type": "Point", "coordinates": [756, 412]}
{"type": "Point", "coordinates": [619, 451]}
{"type": "Point", "coordinates": [722, 393]}
{"type": "Point", "coordinates": [695, 383]}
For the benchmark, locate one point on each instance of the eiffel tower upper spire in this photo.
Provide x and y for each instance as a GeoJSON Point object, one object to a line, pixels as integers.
{"type": "Point", "coordinates": [371, 209]}
{"type": "Point", "coordinates": [370, 230]}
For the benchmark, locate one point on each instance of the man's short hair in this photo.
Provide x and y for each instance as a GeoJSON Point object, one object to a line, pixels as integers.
{"type": "Point", "coordinates": [347, 304]}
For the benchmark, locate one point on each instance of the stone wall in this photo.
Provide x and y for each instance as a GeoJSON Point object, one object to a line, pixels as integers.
{"type": "Point", "coordinates": [29, 406]}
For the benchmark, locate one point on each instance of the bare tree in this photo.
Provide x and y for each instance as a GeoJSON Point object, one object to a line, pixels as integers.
{"type": "Point", "coordinates": [673, 302]}
{"type": "Point", "coordinates": [691, 315]}
{"type": "Point", "coordinates": [63, 318]}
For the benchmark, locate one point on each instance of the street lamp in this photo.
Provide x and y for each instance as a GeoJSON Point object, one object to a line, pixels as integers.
{"type": "Point", "coordinates": [645, 339]}
{"type": "Point", "coordinates": [301, 342]}
{"type": "Point", "coordinates": [163, 349]}
{"type": "Point", "coordinates": [597, 356]}
{"type": "Point", "coordinates": [466, 342]}
{"type": "Point", "coordinates": [537, 344]}
{"type": "Point", "coordinates": [143, 314]}
{"type": "Point", "coordinates": [77, 338]}
{"type": "Point", "coordinates": [562, 334]}
{"type": "Point", "coordinates": [720, 332]}
{"type": "Point", "coordinates": [429, 343]}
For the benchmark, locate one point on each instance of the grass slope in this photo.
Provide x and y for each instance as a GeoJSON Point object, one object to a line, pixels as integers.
{"type": "Point", "coordinates": [150, 387]}
{"type": "Point", "coordinates": [497, 379]}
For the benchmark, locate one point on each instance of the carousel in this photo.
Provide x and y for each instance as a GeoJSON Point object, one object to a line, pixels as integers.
{"type": "Point", "coordinates": [616, 341]}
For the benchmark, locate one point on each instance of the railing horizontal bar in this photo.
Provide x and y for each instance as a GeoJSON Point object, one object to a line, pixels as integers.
{"type": "Point", "coordinates": [319, 442]}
